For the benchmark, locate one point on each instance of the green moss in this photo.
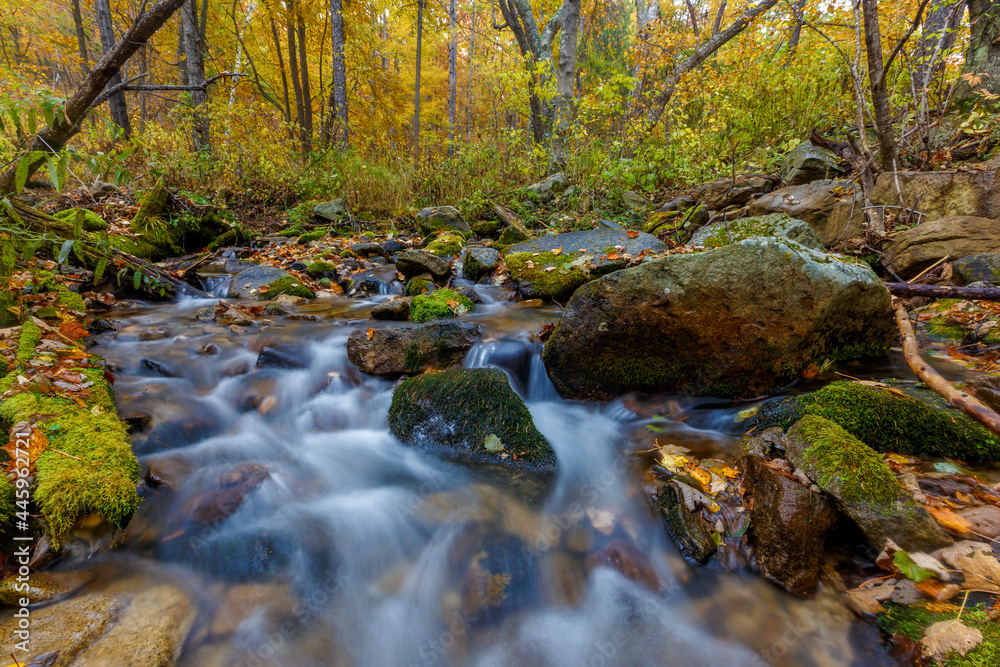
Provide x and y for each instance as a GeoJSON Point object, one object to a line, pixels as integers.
{"type": "Point", "coordinates": [233, 237]}
{"type": "Point", "coordinates": [858, 351]}
{"type": "Point", "coordinates": [320, 269]}
{"type": "Point", "coordinates": [286, 285]}
{"type": "Point", "coordinates": [912, 622]}
{"type": "Point", "coordinates": [347, 254]}
{"type": "Point", "coordinates": [460, 408]}
{"type": "Point", "coordinates": [485, 227]}
{"type": "Point", "coordinates": [294, 230]}
{"type": "Point", "coordinates": [91, 221]}
{"type": "Point", "coordinates": [71, 300]}
{"type": "Point", "coordinates": [309, 237]}
{"type": "Point", "coordinates": [888, 420]}
{"type": "Point", "coordinates": [418, 285]}
{"type": "Point", "coordinates": [42, 281]}
{"type": "Point", "coordinates": [7, 318]}
{"type": "Point", "coordinates": [7, 506]}
{"type": "Point", "coordinates": [93, 470]}
{"type": "Point", "coordinates": [427, 307]}
{"type": "Point", "coordinates": [558, 283]}
{"type": "Point", "coordinates": [31, 334]}
{"type": "Point", "coordinates": [843, 460]}
{"type": "Point", "coordinates": [151, 204]}
{"type": "Point", "coordinates": [447, 244]}
{"type": "Point", "coordinates": [512, 235]}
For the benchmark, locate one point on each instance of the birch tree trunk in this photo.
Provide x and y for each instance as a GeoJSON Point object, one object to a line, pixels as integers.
{"type": "Point", "coordinates": [566, 78]}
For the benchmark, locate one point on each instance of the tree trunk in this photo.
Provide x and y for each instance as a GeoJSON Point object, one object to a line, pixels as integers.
{"type": "Point", "coordinates": [879, 88]}
{"type": "Point", "coordinates": [937, 35]}
{"type": "Point", "coordinates": [55, 136]}
{"type": "Point", "coordinates": [566, 78]}
{"type": "Point", "coordinates": [307, 118]}
{"type": "Point", "coordinates": [338, 109]}
{"type": "Point", "coordinates": [798, 14]}
{"type": "Point", "coordinates": [119, 112]}
{"type": "Point", "coordinates": [983, 56]}
{"type": "Point", "coordinates": [281, 66]}
{"type": "Point", "coordinates": [81, 37]}
{"type": "Point", "coordinates": [471, 77]}
{"type": "Point", "coordinates": [293, 70]}
{"type": "Point", "coordinates": [194, 64]}
{"type": "Point", "coordinates": [416, 81]}
{"type": "Point", "coordinates": [452, 74]}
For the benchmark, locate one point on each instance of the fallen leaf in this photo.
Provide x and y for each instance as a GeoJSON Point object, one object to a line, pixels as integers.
{"type": "Point", "coordinates": [910, 569]}
{"type": "Point", "coordinates": [937, 590]}
{"type": "Point", "coordinates": [977, 562]}
{"type": "Point", "coordinates": [557, 251]}
{"type": "Point", "coordinates": [632, 234]}
{"type": "Point", "coordinates": [869, 600]}
{"type": "Point", "coordinates": [18, 449]}
{"type": "Point", "coordinates": [950, 521]}
{"type": "Point", "coordinates": [371, 333]}
{"type": "Point", "coordinates": [984, 521]}
{"type": "Point", "coordinates": [704, 477]}
{"type": "Point", "coordinates": [492, 443]}
{"type": "Point", "coordinates": [945, 636]}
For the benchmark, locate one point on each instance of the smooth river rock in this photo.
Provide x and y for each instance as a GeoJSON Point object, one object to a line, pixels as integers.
{"type": "Point", "coordinates": [404, 350]}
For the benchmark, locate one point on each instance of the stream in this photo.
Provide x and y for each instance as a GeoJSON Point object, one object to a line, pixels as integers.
{"type": "Point", "coordinates": [303, 533]}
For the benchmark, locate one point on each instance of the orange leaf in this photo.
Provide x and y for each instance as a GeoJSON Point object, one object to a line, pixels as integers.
{"type": "Point", "coordinates": [21, 449]}
{"type": "Point", "coordinates": [557, 251]}
{"type": "Point", "coordinates": [632, 234]}
{"type": "Point", "coordinates": [73, 330]}
{"type": "Point", "coordinates": [263, 289]}
{"type": "Point", "coordinates": [613, 255]}
{"type": "Point", "coordinates": [371, 333]}
{"type": "Point", "coordinates": [950, 521]}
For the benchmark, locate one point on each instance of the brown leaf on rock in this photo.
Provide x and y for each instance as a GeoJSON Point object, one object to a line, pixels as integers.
{"type": "Point", "coordinates": [950, 521]}
{"type": "Point", "coordinates": [945, 636]}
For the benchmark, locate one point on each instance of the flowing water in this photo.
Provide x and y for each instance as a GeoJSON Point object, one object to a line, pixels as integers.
{"type": "Point", "coordinates": [304, 533]}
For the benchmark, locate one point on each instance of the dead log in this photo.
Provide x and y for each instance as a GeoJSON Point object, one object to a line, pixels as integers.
{"type": "Point", "coordinates": [945, 291]}
{"type": "Point", "coordinates": [960, 400]}
{"type": "Point", "coordinates": [511, 220]}
{"type": "Point", "coordinates": [52, 138]}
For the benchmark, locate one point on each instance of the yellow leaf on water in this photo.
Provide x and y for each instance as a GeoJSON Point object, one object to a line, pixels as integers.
{"type": "Point", "coordinates": [702, 476]}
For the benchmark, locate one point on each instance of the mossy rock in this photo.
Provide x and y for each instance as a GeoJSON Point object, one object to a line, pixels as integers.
{"type": "Point", "coordinates": [91, 221]}
{"type": "Point", "coordinates": [446, 245]}
{"type": "Point", "coordinates": [912, 621]}
{"type": "Point", "coordinates": [418, 285]}
{"type": "Point", "coordinates": [774, 224]}
{"type": "Point", "coordinates": [286, 285]}
{"type": "Point", "coordinates": [151, 204]}
{"type": "Point", "coordinates": [321, 269]}
{"type": "Point", "coordinates": [889, 420]}
{"type": "Point", "coordinates": [314, 235]}
{"type": "Point", "coordinates": [471, 412]}
{"type": "Point", "coordinates": [439, 304]}
{"type": "Point", "coordinates": [94, 471]}
{"type": "Point", "coordinates": [71, 300]}
{"type": "Point", "coordinates": [233, 237]}
{"type": "Point", "coordinates": [511, 235]}
{"type": "Point", "coordinates": [485, 227]}
{"type": "Point", "coordinates": [862, 485]}
{"type": "Point", "coordinates": [545, 275]}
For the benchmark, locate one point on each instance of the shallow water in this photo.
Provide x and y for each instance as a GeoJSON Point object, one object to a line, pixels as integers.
{"type": "Point", "coordinates": [306, 534]}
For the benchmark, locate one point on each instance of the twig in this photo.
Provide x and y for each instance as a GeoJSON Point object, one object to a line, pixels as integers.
{"type": "Point", "coordinates": [929, 269]}
{"type": "Point", "coordinates": [59, 451]}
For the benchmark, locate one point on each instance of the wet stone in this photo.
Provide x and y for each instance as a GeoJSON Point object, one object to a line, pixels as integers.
{"type": "Point", "coordinates": [156, 367]}
{"type": "Point", "coordinates": [270, 357]}
{"type": "Point", "coordinates": [692, 539]}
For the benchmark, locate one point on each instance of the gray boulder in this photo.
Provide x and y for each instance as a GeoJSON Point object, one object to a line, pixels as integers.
{"type": "Point", "coordinates": [479, 262]}
{"type": "Point", "coordinates": [441, 219]}
{"type": "Point", "coordinates": [598, 243]}
{"type": "Point", "coordinates": [982, 267]}
{"type": "Point", "coordinates": [397, 308]}
{"type": "Point", "coordinates": [835, 209]}
{"type": "Point", "coordinates": [331, 211]}
{"type": "Point", "coordinates": [862, 485]}
{"type": "Point", "coordinates": [919, 247]}
{"type": "Point", "coordinates": [725, 192]}
{"type": "Point", "coordinates": [248, 283]}
{"type": "Point", "coordinates": [550, 188]}
{"type": "Point", "coordinates": [409, 350]}
{"type": "Point", "coordinates": [775, 224]}
{"type": "Point", "coordinates": [414, 262]}
{"type": "Point", "coordinates": [941, 194]}
{"type": "Point", "coordinates": [739, 321]}
{"type": "Point", "coordinates": [807, 163]}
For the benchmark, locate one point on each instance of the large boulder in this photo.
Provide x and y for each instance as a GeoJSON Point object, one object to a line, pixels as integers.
{"type": "Point", "coordinates": [441, 219]}
{"type": "Point", "coordinates": [471, 412]}
{"type": "Point", "coordinates": [446, 245]}
{"type": "Point", "coordinates": [941, 194]}
{"type": "Point", "coordinates": [550, 188]}
{"type": "Point", "coordinates": [807, 163]}
{"type": "Point", "coordinates": [789, 525]}
{"type": "Point", "coordinates": [917, 248]}
{"type": "Point", "coordinates": [738, 321]}
{"type": "Point", "coordinates": [775, 224]}
{"type": "Point", "coordinates": [982, 267]}
{"type": "Point", "coordinates": [725, 192]}
{"type": "Point", "coordinates": [266, 282]}
{"type": "Point", "coordinates": [331, 211]}
{"type": "Point", "coordinates": [415, 262]}
{"type": "Point", "coordinates": [393, 352]}
{"type": "Point", "coordinates": [862, 485]}
{"type": "Point", "coordinates": [835, 209]}
{"type": "Point", "coordinates": [479, 262]}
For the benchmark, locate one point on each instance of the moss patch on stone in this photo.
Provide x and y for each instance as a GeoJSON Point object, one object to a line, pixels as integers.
{"type": "Point", "coordinates": [71, 300]}
{"type": "Point", "coordinates": [439, 304]}
{"type": "Point", "coordinates": [460, 409]}
{"type": "Point", "coordinates": [309, 237]}
{"type": "Point", "coordinates": [286, 285]}
{"type": "Point", "coordinates": [418, 285]}
{"type": "Point", "coordinates": [320, 269]}
{"type": "Point", "coordinates": [911, 621]}
{"type": "Point", "coordinates": [151, 204]}
{"type": "Point", "coordinates": [888, 420]}
{"type": "Point", "coordinates": [550, 276]}
{"type": "Point", "coordinates": [485, 227]}
{"type": "Point", "coordinates": [447, 244]}
{"type": "Point", "coordinates": [96, 471]}
{"type": "Point", "coordinates": [511, 235]}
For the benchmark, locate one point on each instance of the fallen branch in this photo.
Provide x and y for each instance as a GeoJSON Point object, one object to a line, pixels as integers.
{"type": "Point", "coordinates": [959, 400]}
{"type": "Point", "coordinates": [127, 86]}
{"type": "Point", "coordinates": [510, 219]}
{"type": "Point", "coordinates": [945, 292]}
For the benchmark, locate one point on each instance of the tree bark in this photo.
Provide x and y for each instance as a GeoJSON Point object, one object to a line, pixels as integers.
{"type": "Point", "coordinates": [338, 109]}
{"type": "Point", "coordinates": [798, 14]}
{"type": "Point", "coordinates": [945, 292]}
{"type": "Point", "coordinates": [566, 78]}
{"type": "Point", "coordinates": [879, 87]}
{"type": "Point", "coordinates": [281, 66]}
{"type": "Point", "coordinates": [119, 111]}
{"type": "Point", "coordinates": [194, 65]}
{"type": "Point", "coordinates": [293, 70]}
{"type": "Point", "coordinates": [416, 81]}
{"type": "Point", "coordinates": [937, 35]}
{"type": "Point", "coordinates": [81, 37]}
{"type": "Point", "coordinates": [55, 136]}
{"type": "Point", "coordinates": [452, 73]}
{"type": "Point", "coordinates": [983, 56]}
{"type": "Point", "coordinates": [307, 116]}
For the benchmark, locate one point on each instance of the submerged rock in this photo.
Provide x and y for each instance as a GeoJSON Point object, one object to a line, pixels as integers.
{"type": "Point", "coordinates": [789, 526]}
{"type": "Point", "coordinates": [862, 485]}
{"type": "Point", "coordinates": [775, 224]}
{"type": "Point", "coordinates": [468, 411]}
{"type": "Point", "coordinates": [889, 420]}
{"type": "Point", "coordinates": [67, 628]}
{"type": "Point", "coordinates": [393, 352]}
{"type": "Point", "coordinates": [692, 539]}
{"type": "Point", "coordinates": [738, 321]}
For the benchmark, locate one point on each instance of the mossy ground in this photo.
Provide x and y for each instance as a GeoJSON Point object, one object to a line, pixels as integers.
{"type": "Point", "coordinates": [557, 283]}
{"type": "Point", "coordinates": [912, 621]}
{"type": "Point", "coordinates": [31, 334]}
{"type": "Point", "coordinates": [314, 235]}
{"type": "Point", "coordinates": [842, 460]}
{"type": "Point", "coordinates": [460, 408]}
{"type": "Point", "coordinates": [91, 222]}
{"type": "Point", "coordinates": [93, 471]}
{"type": "Point", "coordinates": [889, 421]}
{"type": "Point", "coordinates": [439, 304]}
{"type": "Point", "coordinates": [286, 285]}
